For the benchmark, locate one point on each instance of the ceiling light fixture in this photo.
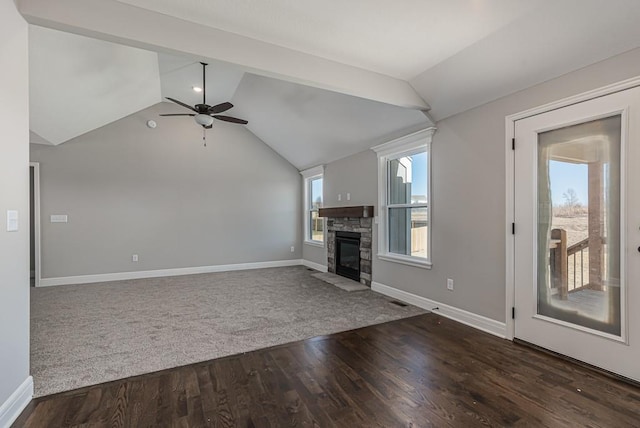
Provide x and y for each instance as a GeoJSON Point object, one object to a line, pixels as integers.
{"type": "Point", "coordinates": [203, 119]}
{"type": "Point", "coordinates": [196, 89]}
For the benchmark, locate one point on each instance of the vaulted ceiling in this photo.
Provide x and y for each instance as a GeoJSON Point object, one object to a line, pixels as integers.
{"type": "Point", "coordinates": [321, 80]}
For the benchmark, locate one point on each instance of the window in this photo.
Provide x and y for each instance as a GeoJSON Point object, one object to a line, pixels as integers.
{"type": "Point", "coordinates": [404, 171]}
{"type": "Point", "coordinates": [314, 225]}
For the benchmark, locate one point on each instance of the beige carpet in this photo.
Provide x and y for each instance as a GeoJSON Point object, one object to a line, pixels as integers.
{"type": "Point", "coordinates": [87, 334]}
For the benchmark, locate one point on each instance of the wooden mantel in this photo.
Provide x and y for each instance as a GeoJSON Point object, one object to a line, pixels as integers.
{"type": "Point", "coordinates": [353, 212]}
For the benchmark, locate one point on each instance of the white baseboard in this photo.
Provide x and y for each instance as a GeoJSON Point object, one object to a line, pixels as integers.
{"type": "Point", "coordinates": [485, 324]}
{"type": "Point", "coordinates": [86, 279]}
{"type": "Point", "coordinates": [313, 265]}
{"type": "Point", "coordinates": [15, 404]}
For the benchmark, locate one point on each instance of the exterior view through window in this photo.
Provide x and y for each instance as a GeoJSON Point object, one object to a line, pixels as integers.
{"type": "Point", "coordinates": [316, 224]}
{"type": "Point", "coordinates": [407, 203]}
{"type": "Point", "coordinates": [579, 224]}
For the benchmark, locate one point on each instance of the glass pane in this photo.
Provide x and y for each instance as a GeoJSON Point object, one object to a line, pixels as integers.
{"type": "Point", "coordinates": [316, 193]}
{"type": "Point", "coordinates": [349, 255]}
{"type": "Point", "coordinates": [579, 224]}
{"type": "Point", "coordinates": [316, 227]}
{"type": "Point", "coordinates": [408, 179]}
{"type": "Point", "coordinates": [408, 228]}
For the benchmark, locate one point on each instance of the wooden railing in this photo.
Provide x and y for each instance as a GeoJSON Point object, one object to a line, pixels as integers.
{"type": "Point", "coordinates": [575, 253]}
{"type": "Point", "coordinates": [569, 265]}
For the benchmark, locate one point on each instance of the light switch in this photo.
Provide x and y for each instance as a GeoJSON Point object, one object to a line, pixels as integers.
{"type": "Point", "coordinates": [339, 196]}
{"type": "Point", "coordinates": [348, 196]}
{"type": "Point", "coordinates": [12, 221]}
{"type": "Point", "coordinates": [59, 218]}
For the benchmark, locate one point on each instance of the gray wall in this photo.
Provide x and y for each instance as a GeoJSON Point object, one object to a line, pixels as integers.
{"type": "Point", "coordinates": [469, 222]}
{"type": "Point", "coordinates": [159, 193]}
{"type": "Point", "coordinates": [14, 195]}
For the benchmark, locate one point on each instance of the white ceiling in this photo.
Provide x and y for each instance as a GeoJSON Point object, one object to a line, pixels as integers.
{"type": "Point", "coordinates": [310, 126]}
{"type": "Point", "coordinates": [178, 75]}
{"type": "Point", "coordinates": [78, 84]}
{"type": "Point", "coordinates": [398, 38]}
{"type": "Point", "coordinates": [549, 41]}
{"type": "Point", "coordinates": [451, 55]}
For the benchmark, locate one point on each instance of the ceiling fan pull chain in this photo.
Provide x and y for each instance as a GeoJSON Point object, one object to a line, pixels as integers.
{"type": "Point", "coordinates": [204, 136]}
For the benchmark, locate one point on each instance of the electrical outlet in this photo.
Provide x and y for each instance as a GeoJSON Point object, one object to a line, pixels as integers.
{"type": "Point", "coordinates": [348, 196]}
{"type": "Point", "coordinates": [134, 258]}
{"type": "Point", "coordinates": [339, 196]}
{"type": "Point", "coordinates": [293, 248]}
{"type": "Point", "coordinates": [449, 284]}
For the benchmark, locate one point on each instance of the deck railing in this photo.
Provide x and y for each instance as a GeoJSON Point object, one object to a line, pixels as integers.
{"type": "Point", "coordinates": [578, 265]}
{"type": "Point", "coordinates": [569, 264]}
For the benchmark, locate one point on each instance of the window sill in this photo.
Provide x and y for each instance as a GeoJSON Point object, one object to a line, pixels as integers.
{"type": "Point", "coordinates": [410, 261]}
{"type": "Point", "coordinates": [318, 244]}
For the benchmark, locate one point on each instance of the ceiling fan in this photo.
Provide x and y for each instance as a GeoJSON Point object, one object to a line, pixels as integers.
{"type": "Point", "coordinates": [204, 113]}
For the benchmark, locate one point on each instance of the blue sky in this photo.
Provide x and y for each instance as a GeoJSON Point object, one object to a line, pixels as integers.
{"type": "Point", "coordinates": [566, 176]}
{"type": "Point", "coordinates": [419, 173]}
{"type": "Point", "coordinates": [316, 189]}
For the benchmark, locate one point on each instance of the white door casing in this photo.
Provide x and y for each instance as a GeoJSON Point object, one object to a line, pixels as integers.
{"type": "Point", "coordinates": [617, 353]}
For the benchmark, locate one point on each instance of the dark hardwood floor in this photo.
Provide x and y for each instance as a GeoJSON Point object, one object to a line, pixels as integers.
{"type": "Point", "coordinates": [421, 371]}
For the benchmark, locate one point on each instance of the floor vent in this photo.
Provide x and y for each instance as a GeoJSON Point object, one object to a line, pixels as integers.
{"type": "Point", "coordinates": [398, 303]}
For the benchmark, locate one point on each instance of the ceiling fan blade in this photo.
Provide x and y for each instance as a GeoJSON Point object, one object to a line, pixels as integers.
{"type": "Point", "coordinates": [230, 119]}
{"type": "Point", "coordinates": [178, 114]}
{"type": "Point", "coordinates": [220, 108]}
{"type": "Point", "coordinates": [181, 103]}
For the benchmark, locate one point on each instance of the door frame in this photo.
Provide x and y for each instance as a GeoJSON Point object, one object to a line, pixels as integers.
{"type": "Point", "coordinates": [36, 221]}
{"type": "Point", "coordinates": [510, 182]}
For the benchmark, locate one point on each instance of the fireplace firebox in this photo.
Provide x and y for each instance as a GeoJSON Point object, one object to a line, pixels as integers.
{"type": "Point", "coordinates": [348, 254]}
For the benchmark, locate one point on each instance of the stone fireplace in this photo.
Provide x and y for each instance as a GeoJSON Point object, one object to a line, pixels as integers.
{"type": "Point", "coordinates": [349, 241]}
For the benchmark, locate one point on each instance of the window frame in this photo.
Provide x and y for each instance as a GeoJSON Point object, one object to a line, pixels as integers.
{"type": "Point", "coordinates": [417, 142]}
{"type": "Point", "coordinates": [310, 175]}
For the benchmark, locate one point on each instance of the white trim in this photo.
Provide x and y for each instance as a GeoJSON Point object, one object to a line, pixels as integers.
{"type": "Point", "coordinates": [15, 404]}
{"type": "Point", "coordinates": [314, 243]}
{"type": "Point", "coordinates": [309, 175]}
{"type": "Point", "coordinates": [510, 238]}
{"type": "Point", "coordinates": [409, 144]}
{"type": "Point", "coordinates": [480, 322]}
{"type": "Point", "coordinates": [510, 177]}
{"type": "Point", "coordinates": [313, 265]}
{"type": "Point", "coordinates": [575, 99]}
{"type": "Point", "coordinates": [406, 260]}
{"type": "Point", "coordinates": [319, 244]}
{"type": "Point", "coordinates": [405, 143]}
{"type": "Point", "coordinates": [36, 221]}
{"type": "Point", "coordinates": [119, 276]}
{"type": "Point", "coordinates": [312, 172]}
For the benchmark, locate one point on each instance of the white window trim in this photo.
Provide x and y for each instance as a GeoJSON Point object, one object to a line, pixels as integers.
{"type": "Point", "coordinates": [417, 141]}
{"type": "Point", "coordinates": [308, 175]}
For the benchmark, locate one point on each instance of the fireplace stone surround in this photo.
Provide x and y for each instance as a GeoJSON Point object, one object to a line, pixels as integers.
{"type": "Point", "coordinates": [350, 219]}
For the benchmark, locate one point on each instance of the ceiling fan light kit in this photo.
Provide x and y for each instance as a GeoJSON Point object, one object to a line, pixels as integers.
{"type": "Point", "coordinates": [203, 119]}
{"type": "Point", "coordinates": [203, 113]}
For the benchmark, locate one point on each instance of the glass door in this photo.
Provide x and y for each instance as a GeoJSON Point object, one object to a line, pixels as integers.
{"type": "Point", "coordinates": [578, 239]}
{"type": "Point", "coordinates": [576, 209]}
